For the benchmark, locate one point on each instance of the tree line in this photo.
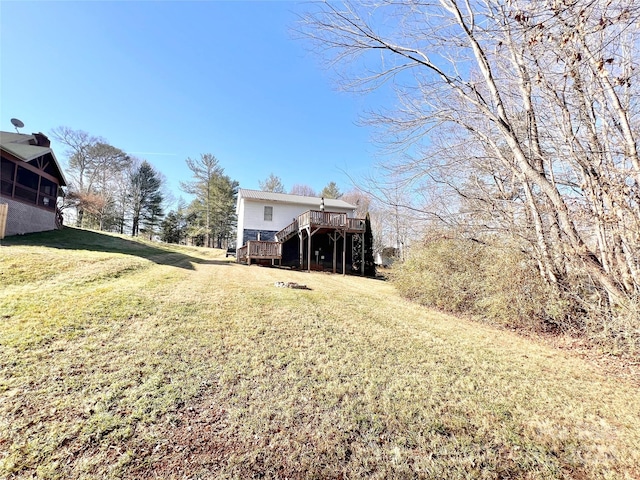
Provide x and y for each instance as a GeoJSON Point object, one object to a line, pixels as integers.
{"type": "Point", "coordinates": [110, 190]}
{"type": "Point", "coordinates": [273, 183]}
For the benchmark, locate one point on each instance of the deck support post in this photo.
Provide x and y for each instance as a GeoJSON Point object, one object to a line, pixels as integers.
{"type": "Point", "coordinates": [301, 252]}
{"type": "Point", "coordinates": [334, 237]}
{"type": "Point", "coordinates": [344, 252]}
{"type": "Point", "coordinates": [309, 253]}
{"type": "Point", "coordinates": [362, 256]}
{"type": "Point", "coordinates": [311, 234]}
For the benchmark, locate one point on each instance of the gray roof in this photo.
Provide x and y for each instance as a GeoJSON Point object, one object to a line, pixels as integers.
{"type": "Point", "coordinates": [297, 199]}
{"type": "Point", "coordinates": [23, 146]}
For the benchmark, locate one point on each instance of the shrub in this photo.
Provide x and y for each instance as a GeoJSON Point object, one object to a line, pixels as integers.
{"type": "Point", "coordinates": [502, 285]}
{"type": "Point", "coordinates": [496, 283]}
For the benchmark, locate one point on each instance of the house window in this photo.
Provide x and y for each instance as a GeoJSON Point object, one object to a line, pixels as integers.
{"type": "Point", "coordinates": [7, 171]}
{"type": "Point", "coordinates": [268, 214]}
{"type": "Point", "coordinates": [48, 193]}
{"type": "Point", "coordinates": [27, 185]}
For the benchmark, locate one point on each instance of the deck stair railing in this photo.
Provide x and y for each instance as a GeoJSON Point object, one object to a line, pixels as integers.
{"type": "Point", "coordinates": [287, 232]}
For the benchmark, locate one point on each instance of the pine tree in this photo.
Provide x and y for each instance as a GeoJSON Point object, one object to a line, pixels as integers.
{"type": "Point", "coordinates": [212, 212]}
{"type": "Point", "coordinates": [174, 227]}
{"type": "Point", "coordinates": [331, 191]}
{"type": "Point", "coordinates": [145, 198]}
{"type": "Point", "coordinates": [369, 261]}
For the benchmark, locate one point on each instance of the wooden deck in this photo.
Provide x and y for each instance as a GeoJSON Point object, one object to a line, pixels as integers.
{"type": "Point", "coordinates": [257, 249]}
{"type": "Point", "coordinates": [305, 226]}
{"type": "Point", "coordinates": [318, 219]}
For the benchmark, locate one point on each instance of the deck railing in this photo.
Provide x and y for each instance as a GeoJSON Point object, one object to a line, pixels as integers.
{"type": "Point", "coordinates": [328, 219]}
{"type": "Point", "coordinates": [317, 218]}
{"type": "Point", "coordinates": [259, 249]}
{"type": "Point", "coordinates": [357, 224]}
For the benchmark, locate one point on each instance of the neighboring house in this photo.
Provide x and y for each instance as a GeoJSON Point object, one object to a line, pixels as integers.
{"type": "Point", "coordinates": [302, 232]}
{"type": "Point", "coordinates": [386, 257]}
{"type": "Point", "coordinates": [30, 181]}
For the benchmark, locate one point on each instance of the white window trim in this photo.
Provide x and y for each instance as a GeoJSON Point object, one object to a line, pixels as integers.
{"type": "Point", "coordinates": [265, 213]}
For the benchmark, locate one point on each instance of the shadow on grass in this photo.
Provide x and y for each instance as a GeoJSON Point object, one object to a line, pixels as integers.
{"type": "Point", "coordinates": [70, 238]}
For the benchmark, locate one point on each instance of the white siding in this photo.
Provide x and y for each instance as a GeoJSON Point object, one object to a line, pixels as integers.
{"type": "Point", "coordinates": [240, 213]}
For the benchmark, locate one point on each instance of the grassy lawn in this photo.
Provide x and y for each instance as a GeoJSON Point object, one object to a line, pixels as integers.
{"type": "Point", "coordinates": [123, 359]}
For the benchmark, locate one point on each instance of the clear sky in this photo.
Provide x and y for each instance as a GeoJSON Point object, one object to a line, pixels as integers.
{"type": "Point", "coordinates": [169, 80]}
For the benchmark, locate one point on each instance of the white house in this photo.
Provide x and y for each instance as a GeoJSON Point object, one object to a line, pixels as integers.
{"type": "Point", "coordinates": [263, 214]}
{"type": "Point", "coordinates": [300, 232]}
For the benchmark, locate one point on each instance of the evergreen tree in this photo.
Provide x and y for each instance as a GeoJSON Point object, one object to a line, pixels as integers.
{"type": "Point", "coordinates": [223, 218]}
{"type": "Point", "coordinates": [174, 227]}
{"type": "Point", "coordinates": [213, 209]}
{"type": "Point", "coordinates": [205, 171]}
{"type": "Point", "coordinates": [331, 191]}
{"type": "Point", "coordinates": [145, 199]}
{"type": "Point", "coordinates": [369, 261]}
{"type": "Point", "coordinates": [357, 254]}
{"type": "Point", "coordinates": [152, 217]}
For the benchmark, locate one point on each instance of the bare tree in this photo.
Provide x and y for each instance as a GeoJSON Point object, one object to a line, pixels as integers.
{"type": "Point", "coordinates": [77, 143]}
{"type": "Point", "coordinates": [94, 167]}
{"type": "Point", "coordinates": [360, 199]}
{"type": "Point", "coordinates": [533, 104]}
{"type": "Point", "coordinates": [302, 189]}
{"type": "Point", "coordinates": [273, 183]}
{"type": "Point", "coordinates": [105, 166]}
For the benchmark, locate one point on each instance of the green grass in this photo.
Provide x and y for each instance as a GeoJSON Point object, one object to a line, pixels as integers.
{"type": "Point", "coordinates": [125, 359]}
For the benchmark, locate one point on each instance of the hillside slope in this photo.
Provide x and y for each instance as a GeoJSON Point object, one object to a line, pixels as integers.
{"type": "Point", "coordinates": [123, 359]}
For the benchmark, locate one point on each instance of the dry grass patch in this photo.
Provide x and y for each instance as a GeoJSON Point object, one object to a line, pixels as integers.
{"type": "Point", "coordinates": [177, 363]}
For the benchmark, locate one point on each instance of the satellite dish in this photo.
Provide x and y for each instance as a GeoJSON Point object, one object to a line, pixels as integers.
{"type": "Point", "coordinates": [17, 123]}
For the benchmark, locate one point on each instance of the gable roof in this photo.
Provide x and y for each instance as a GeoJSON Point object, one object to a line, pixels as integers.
{"type": "Point", "coordinates": [25, 147]}
{"type": "Point", "coordinates": [312, 202]}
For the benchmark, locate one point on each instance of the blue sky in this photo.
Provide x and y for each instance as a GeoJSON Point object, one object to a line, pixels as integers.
{"type": "Point", "coordinates": [169, 80]}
